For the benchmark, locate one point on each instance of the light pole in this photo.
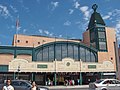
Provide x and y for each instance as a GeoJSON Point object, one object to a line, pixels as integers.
{"type": "Point", "coordinates": [18, 70]}
{"type": "Point", "coordinates": [80, 74]}
{"type": "Point", "coordinates": [55, 74]}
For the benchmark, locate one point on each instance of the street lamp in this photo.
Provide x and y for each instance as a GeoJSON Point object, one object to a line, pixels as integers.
{"type": "Point", "coordinates": [80, 74]}
{"type": "Point", "coordinates": [55, 73]}
{"type": "Point", "coordinates": [18, 70]}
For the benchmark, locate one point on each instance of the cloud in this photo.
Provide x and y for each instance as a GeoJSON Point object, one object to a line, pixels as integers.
{"type": "Point", "coordinates": [46, 32]}
{"type": "Point", "coordinates": [82, 25]}
{"type": "Point", "coordinates": [67, 23]}
{"type": "Point", "coordinates": [117, 28]}
{"type": "Point", "coordinates": [24, 31]}
{"type": "Point", "coordinates": [14, 9]}
{"type": "Point", "coordinates": [106, 17]}
{"type": "Point", "coordinates": [85, 11]}
{"type": "Point", "coordinates": [71, 11]}
{"type": "Point", "coordinates": [40, 31]}
{"type": "Point", "coordinates": [60, 36]}
{"type": "Point", "coordinates": [114, 14]}
{"type": "Point", "coordinates": [78, 22]}
{"type": "Point", "coordinates": [54, 5]}
{"type": "Point", "coordinates": [4, 11]}
{"type": "Point", "coordinates": [84, 8]}
{"type": "Point", "coordinates": [51, 34]}
{"type": "Point", "coordinates": [76, 5]}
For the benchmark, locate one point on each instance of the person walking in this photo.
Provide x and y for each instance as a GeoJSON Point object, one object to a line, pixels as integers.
{"type": "Point", "coordinates": [8, 85]}
{"type": "Point", "coordinates": [34, 87]}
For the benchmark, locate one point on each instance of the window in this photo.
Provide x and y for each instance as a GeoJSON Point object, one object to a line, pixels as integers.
{"type": "Point", "coordinates": [76, 53]}
{"type": "Point", "coordinates": [70, 51]}
{"type": "Point", "coordinates": [107, 82]}
{"type": "Point", "coordinates": [92, 35]}
{"type": "Point", "coordinates": [93, 57]}
{"type": "Point", "coordinates": [58, 52]}
{"type": "Point", "coordinates": [23, 84]}
{"type": "Point", "coordinates": [82, 54]}
{"type": "Point", "coordinates": [38, 42]}
{"type": "Point", "coordinates": [26, 41]}
{"type": "Point", "coordinates": [18, 41]}
{"type": "Point", "coordinates": [51, 53]}
{"type": "Point", "coordinates": [15, 83]}
{"type": "Point", "coordinates": [102, 45]}
{"type": "Point", "coordinates": [45, 54]}
{"type": "Point", "coordinates": [64, 51]}
{"type": "Point", "coordinates": [39, 56]}
{"type": "Point", "coordinates": [87, 55]}
{"type": "Point", "coordinates": [101, 34]}
{"type": "Point", "coordinates": [3, 68]}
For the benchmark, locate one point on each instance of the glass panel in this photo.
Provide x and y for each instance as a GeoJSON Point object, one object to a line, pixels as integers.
{"type": "Point", "coordinates": [92, 57]}
{"type": "Point", "coordinates": [101, 34]}
{"type": "Point", "coordinates": [82, 54]}
{"type": "Point", "coordinates": [101, 29]}
{"type": "Point", "coordinates": [39, 56]}
{"type": "Point", "coordinates": [87, 55]}
{"type": "Point", "coordinates": [93, 44]}
{"type": "Point", "coordinates": [58, 52]}
{"type": "Point", "coordinates": [92, 35]}
{"type": "Point", "coordinates": [70, 51]}
{"type": "Point", "coordinates": [3, 68]}
{"type": "Point", "coordinates": [45, 54]}
{"type": "Point", "coordinates": [64, 51]}
{"type": "Point", "coordinates": [102, 45]}
{"type": "Point", "coordinates": [76, 52]}
{"type": "Point", "coordinates": [51, 53]}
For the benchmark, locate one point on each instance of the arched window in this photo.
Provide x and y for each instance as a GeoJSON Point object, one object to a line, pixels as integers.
{"type": "Point", "coordinates": [61, 50]}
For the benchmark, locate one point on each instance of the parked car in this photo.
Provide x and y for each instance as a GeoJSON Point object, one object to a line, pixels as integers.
{"type": "Point", "coordinates": [105, 84]}
{"type": "Point", "coordinates": [23, 85]}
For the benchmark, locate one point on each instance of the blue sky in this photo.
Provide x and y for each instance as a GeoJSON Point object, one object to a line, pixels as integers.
{"type": "Point", "coordinates": [54, 18]}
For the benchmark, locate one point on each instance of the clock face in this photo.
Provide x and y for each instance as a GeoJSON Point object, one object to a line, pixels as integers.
{"type": "Point", "coordinates": [68, 64]}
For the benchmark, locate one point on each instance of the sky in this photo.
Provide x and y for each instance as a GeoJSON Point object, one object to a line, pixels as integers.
{"type": "Point", "coordinates": [54, 18]}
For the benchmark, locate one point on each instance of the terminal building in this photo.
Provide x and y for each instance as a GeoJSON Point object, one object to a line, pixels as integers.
{"type": "Point", "coordinates": [38, 58]}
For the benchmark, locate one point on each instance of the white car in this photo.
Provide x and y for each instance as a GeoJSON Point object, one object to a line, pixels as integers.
{"type": "Point", "coordinates": [105, 84]}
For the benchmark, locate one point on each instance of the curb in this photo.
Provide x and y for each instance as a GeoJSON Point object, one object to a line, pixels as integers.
{"type": "Point", "coordinates": [63, 87]}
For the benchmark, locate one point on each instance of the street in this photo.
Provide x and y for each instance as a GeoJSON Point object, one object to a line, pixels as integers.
{"type": "Point", "coordinates": [71, 89]}
{"type": "Point", "coordinates": [80, 87]}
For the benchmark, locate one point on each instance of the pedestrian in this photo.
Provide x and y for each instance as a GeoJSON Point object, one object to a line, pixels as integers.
{"type": "Point", "coordinates": [66, 82]}
{"type": "Point", "coordinates": [73, 82]}
{"type": "Point", "coordinates": [49, 81]}
{"type": "Point", "coordinates": [78, 81]}
{"type": "Point", "coordinates": [34, 87]}
{"type": "Point", "coordinates": [8, 85]}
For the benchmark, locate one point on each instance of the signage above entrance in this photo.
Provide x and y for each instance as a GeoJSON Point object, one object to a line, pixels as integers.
{"type": "Point", "coordinates": [41, 66]}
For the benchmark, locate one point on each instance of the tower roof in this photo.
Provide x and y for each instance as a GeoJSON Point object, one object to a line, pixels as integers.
{"type": "Point", "coordinates": [95, 18]}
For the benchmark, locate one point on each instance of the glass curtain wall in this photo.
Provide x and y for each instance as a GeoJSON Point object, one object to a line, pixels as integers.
{"type": "Point", "coordinates": [60, 51]}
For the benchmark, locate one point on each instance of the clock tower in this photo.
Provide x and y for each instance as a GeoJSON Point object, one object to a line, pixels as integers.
{"type": "Point", "coordinates": [97, 31]}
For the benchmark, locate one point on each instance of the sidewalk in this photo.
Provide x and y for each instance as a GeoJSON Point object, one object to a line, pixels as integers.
{"type": "Point", "coordinates": [75, 86]}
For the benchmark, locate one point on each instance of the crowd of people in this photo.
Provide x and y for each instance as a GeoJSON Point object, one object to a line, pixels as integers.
{"type": "Point", "coordinates": [66, 82]}
{"type": "Point", "coordinates": [71, 82]}
{"type": "Point", "coordinates": [8, 86]}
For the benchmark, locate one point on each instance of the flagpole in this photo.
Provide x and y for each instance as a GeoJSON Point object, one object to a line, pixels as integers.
{"type": "Point", "coordinates": [15, 55]}
{"type": "Point", "coordinates": [17, 28]}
